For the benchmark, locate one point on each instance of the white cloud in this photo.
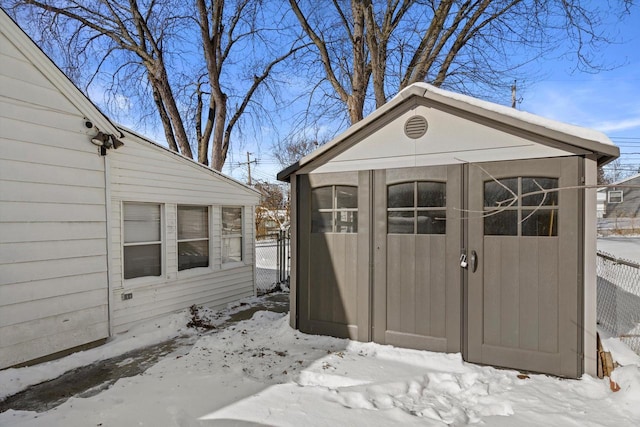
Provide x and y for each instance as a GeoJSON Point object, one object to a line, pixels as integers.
{"type": "Point", "coordinates": [606, 105]}
{"type": "Point", "coordinates": [618, 125]}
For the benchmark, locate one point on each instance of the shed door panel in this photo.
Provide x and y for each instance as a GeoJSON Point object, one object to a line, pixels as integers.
{"type": "Point", "coordinates": [416, 286]}
{"type": "Point", "coordinates": [523, 298]}
{"type": "Point", "coordinates": [334, 273]}
{"type": "Point", "coordinates": [332, 224]}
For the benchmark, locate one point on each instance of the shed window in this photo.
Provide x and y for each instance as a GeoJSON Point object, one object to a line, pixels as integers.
{"type": "Point", "coordinates": [521, 206]}
{"type": "Point", "coordinates": [334, 209]}
{"type": "Point", "coordinates": [142, 247]}
{"type": "Point", "coordinates": [417, 207]}
{"type": "Point", "coordinates": [193, 237]}
{"type": "Point", "coordinates": [615, 196]}
{"type": "Point", "coordinates": [232, 231]}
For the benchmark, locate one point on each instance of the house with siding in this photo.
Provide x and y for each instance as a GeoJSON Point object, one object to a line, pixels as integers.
{"type": "Point", "coordinates": [619, 206]}
{"type": "Point", "coordinates": [100, 227]}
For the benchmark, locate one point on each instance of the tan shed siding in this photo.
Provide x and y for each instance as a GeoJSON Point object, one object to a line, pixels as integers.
{"type": "Point", "coordinates": [53, 258]}
{"type": "Point", "coordinates": [142, 172]}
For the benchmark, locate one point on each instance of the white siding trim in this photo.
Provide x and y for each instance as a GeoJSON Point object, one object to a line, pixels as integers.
{"type": "Point", "coordinates": [109, 243]}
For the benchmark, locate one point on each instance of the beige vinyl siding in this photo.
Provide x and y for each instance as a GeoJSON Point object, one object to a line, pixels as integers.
{"type": "Point", "coordinates": [53, 258]}
{"type": "Point", "coordinates": [143, 172]}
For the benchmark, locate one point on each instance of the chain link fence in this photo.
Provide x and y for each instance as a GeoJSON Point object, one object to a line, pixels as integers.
{"type": "Point", "coordinates": [272, 262]}
{"type": "Point", "coordinates": [619, 298]}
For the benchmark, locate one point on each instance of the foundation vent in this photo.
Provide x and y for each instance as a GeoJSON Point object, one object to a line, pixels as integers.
{"type": "Point", "coordinates": [415, 127]}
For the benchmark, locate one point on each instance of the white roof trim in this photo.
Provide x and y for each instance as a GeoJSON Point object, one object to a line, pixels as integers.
{"type": "Point", "coordinates": [55, 75]}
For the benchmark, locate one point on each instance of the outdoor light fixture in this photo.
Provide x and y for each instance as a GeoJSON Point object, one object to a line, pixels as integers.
{"type": "Point", "coordinates": [106, 141]}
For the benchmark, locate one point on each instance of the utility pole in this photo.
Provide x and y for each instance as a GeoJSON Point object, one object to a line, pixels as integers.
{"type": "Point", "coordinates": [248, 163]}
{"type": "Point", "coordinates": [513, 94]}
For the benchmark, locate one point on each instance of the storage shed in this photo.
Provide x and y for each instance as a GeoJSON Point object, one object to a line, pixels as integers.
{"type": "Point", "coordinates": [446, 223]}
{"type": "Point", "coordinates": [94, 238]}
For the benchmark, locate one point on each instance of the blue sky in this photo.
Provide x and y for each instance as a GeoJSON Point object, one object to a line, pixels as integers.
{"type": "Point", "coordinates": [608, 101]}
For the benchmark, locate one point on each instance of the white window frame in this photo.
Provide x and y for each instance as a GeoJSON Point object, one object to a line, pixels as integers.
{"type": "Point", "coordinates": [615, 193]}
{"type": "Point", "coordinates": [193, 270]}
{"type": "Point", "coordinates": [224, 237]}
{"type": "Point", "coordinates": [161, 242]}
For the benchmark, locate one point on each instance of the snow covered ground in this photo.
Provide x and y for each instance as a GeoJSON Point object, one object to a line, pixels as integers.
{"type": "Point", "coordinates": [261, 372]}
{"type": "Point", "coordinates": [627, 247]}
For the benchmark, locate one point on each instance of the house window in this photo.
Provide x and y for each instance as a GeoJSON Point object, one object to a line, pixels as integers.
{"type": "Point", "coordinates": [193, 237]}
{"type": "Point", "coordinates": [334, 209]}
{"type": "Point", "coordinates": [615, 196]}
{"type": "Point", "coordinates": [231, 234]}
{"type": "Point", "coordinates": [521, 206]}
{"type": "Point", "coordinates": [417, 207]}
{"type": "Point", "coordinates": [142, 237]}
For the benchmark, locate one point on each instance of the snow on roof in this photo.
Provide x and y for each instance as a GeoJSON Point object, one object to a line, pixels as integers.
{"type": "Point", "coordinates": [581, 137]}
{"type": "Point", "coordinates": [524, 116]}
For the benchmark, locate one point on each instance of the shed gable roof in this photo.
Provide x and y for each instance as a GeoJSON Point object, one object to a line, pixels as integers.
{"type": "Point", "coordinates": [547, 133]}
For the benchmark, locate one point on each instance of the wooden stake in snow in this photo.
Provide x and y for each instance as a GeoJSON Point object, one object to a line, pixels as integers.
{"type": "Point", "coordinates": [606, 365]}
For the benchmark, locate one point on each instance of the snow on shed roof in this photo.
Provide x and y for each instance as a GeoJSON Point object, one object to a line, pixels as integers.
{"type": "Point", "coordinates": [524, 116]}
{"type": "Point", "coordinates": [573, 135]}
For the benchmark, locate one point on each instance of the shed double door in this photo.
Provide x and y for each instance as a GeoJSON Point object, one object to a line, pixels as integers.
{"type": "Point", "coordinates": [517, 303]}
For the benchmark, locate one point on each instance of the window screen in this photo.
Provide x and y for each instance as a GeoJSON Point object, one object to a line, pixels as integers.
{"type": "Point", "coordinates": [231, 234]}
{"type": "Point", "coordinates": [193, 237]}
{"type": "Point", "coordinates": [142, 247]}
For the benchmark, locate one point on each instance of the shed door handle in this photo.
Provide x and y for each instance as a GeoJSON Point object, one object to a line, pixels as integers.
{"type": "Point", "coordinates": [473, 261]}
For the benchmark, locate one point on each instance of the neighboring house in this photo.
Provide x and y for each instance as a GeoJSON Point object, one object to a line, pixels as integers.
{"type": "Point", "coordinates": [94, 238]}
{"type": "Point", "coordinates": [270, 221]}
{"type": "Point", "coordinates": [415, 228]}
{"type": "Point", "coordinates": [271, 215]}
{"type": "Point", "coordinates": [622, 199]}
{"type": "Point", "coordinates": [619, 207]}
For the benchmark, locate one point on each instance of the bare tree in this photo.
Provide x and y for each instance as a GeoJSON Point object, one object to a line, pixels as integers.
{"type": "Point", "coordinates": [472, 47]}
{"type": "Point", "coordinates": [202, 63]}
{"type": "Point", "coordinates": [273, 207]}
{"type": "Point", "coordinates": [290, 150]}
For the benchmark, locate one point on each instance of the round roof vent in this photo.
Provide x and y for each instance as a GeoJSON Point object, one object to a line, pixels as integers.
{"type": "Point", "coordinates": [415, 127]}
